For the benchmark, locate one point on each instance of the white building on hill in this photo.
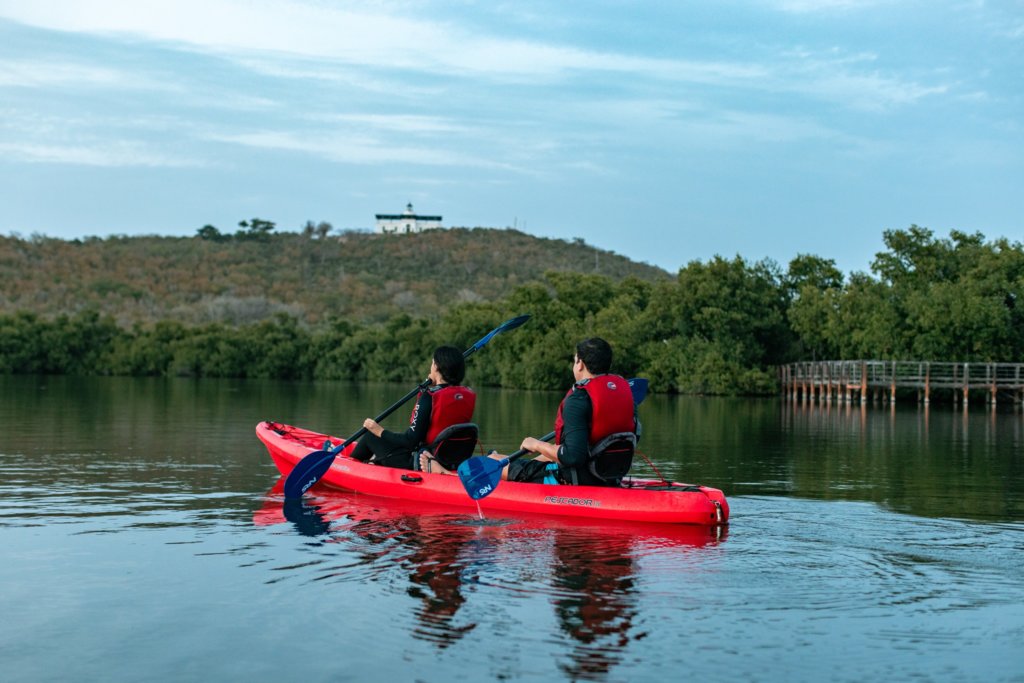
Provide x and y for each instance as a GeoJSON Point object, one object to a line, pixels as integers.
{"type": "Point", "coordinates": [405, 222]}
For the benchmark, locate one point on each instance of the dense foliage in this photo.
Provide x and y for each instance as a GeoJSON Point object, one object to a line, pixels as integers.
{"type": "Point", "coordinates": [719, 327]}
{"type": "Point", "coordinates": [311, 275]}
{"type": "Point", "coordinates": [956, 299]}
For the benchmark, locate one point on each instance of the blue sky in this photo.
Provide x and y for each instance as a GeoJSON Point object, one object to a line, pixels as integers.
{"type": "Point", "coordinates": [665, 131]}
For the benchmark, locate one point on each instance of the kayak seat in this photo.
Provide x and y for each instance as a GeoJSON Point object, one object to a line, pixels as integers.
{"type": "Point", "coordinates": [612, 456]}
{"type": "Point", "coordinates": [453, 445]}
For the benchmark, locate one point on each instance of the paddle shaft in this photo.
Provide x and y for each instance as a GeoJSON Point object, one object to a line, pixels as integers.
{"type": "Point", "coordinates": [394, 406]}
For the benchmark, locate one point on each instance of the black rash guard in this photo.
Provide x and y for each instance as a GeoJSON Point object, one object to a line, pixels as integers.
{"type": "Point", "coordinates": [575, 447]}
{"type": "Point", "coordinates": [416, 434]}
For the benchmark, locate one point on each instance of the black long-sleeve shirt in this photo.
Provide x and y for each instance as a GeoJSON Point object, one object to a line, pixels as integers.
{"type": "Point", "coordinates": [577, 411]}
{"type": "Point", "coordinates": [393, 449]}
{"type": "Point", "coordinates": [416, 434]}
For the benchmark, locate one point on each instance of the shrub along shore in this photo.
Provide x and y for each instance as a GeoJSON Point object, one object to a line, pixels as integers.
{"type": "Point", "coordinates": [719, 327]}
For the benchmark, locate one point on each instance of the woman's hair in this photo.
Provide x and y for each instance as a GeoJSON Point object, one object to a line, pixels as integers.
{"type": "Point", "coordinates": [450, 364]}
{"type": "Point", "coordinates": [596, 354]}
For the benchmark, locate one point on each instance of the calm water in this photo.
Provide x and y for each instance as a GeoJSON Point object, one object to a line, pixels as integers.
{"type": "Point", "coordinates": [140, 540]}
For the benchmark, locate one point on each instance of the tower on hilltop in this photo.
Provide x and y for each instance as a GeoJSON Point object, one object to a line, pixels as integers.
{"type": "Point", "coordinates": [406, 222]}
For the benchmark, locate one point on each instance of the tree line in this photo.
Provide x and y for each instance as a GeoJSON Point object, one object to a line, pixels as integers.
{"type": "Point", "coordinates": [718, 327]}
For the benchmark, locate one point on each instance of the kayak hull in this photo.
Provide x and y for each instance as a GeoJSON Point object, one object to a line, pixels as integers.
{"type": "Point", "coordinates": [640, 500]}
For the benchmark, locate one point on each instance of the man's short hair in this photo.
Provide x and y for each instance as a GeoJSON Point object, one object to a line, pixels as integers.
{"type": "Point", "coordinates": [450, 364]}
{"type": "Point", "coordinates": [596, 354]}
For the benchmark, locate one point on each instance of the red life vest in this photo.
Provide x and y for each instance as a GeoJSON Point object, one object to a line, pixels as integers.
{"type": "Point", "coordinates": [612, 402]}
{"type": "Point", "coordinates": [450, 405]}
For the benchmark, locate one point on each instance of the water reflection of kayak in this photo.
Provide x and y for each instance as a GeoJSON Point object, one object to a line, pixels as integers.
{"type": "Point", "coordinates": [328, 508]}
{"type": "Point", "coordinates": [587, 568]}
{"type": "Point", "coordinates": [639, 500]}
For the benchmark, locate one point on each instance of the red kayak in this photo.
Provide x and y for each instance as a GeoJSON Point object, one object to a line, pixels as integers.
{"type": "Point", "coordinates": [640, 500]}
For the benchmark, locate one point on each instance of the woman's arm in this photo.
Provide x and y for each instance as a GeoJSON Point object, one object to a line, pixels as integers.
{"type": "Point", "coordinates": [417, 431]}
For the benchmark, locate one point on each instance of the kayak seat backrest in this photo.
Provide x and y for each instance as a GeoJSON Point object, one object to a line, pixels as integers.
{"type": "Point", "coordinates": [612, 456]}
{"type": "Point", "coordinates": [455, 444]}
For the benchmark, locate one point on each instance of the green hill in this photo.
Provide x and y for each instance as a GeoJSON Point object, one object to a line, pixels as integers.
{"type": "Point", "coordinates": [239, 279]}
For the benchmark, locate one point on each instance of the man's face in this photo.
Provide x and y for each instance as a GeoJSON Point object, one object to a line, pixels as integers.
{"type": "Point", "coordinates": [577, 367]}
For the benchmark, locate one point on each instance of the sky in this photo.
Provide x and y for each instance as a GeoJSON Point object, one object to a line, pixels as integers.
{"type": "Point", "coordinates": [667, 131]}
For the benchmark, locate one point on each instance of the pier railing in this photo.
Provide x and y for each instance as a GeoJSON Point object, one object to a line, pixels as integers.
{"type": "Point", "coordinates": [849, 380]}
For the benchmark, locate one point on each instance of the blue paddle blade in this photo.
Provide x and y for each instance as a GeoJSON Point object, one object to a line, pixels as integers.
{"type": "Point", "coordinates": [480, 476]}
{"type": "Point", "coordinates": [504, 327]}
{"type": "Point", "coordinates": [638, 386]}
{"type": "Point", "coordinates": [307, 472]}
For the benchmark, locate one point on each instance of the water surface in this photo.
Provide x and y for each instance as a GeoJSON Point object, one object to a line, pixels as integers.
{"type": "Point", "coordinates": [142, 539]}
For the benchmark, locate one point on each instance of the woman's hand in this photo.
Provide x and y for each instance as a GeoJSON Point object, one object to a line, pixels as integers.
{"type": "Point", "coordinates": [372, 427]}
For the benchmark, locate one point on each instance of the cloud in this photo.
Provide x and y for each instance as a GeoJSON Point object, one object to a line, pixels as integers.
{"type": "Point", "coordinates": [504, 104]}
{"type": "Point", "coordinates": [353, 149]}
{"type": "Point", "coordinates": [289, 38]}
{"type": "Point", "coordinates": [331, 72]}
{"type": "Point", "coordinates": [1015, 32]}
{"type": "Point", "coordinates": [821, 6]}
{"type": "Point", "coordinates": [399, 123]}
{"type": "Point", "coordinates": [288, 27]}
{"type": "Point", "coordinates": [86, 140]}
{"type": "Point", "coordinates": [869, 92]}
{"type": "Point", "coordinates": [108, 155]}
{"type": "Point", "coordinates": [25, 73]}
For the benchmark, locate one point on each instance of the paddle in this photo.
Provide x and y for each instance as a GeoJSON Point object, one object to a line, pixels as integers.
{"type": "Point", "coordinates": [480, 476]}
{"type": "Point", "coordinates": [309, 470]}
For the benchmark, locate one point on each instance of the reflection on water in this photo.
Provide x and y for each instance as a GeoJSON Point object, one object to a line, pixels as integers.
{"type": "Point", "coordinates": [595, 601]}
{"type": "Point", "coordinates": [588, 575]}
{"type": "Point", "coordinates": [936, 462]}
{"type": "Point", "coordinates": [431, 551]}
{"type": "Point", "coordinates": [930, 461]}
{"type": "Point", "coordinates": [138, 533]}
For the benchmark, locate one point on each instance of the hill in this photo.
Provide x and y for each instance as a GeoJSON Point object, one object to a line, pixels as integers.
{"type": "Point", "coordinates": [236, 280]}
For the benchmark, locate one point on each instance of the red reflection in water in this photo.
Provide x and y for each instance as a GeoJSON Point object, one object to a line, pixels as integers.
{"type": "Point", "coordinates": [593, 583]}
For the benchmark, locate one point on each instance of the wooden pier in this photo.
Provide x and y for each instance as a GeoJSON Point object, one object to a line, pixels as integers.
{"type": "Point", "coordinates": [863, 380]}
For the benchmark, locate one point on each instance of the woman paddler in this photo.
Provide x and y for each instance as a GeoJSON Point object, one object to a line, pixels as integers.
{"type": "Point", "coordinates": [443, 404]}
